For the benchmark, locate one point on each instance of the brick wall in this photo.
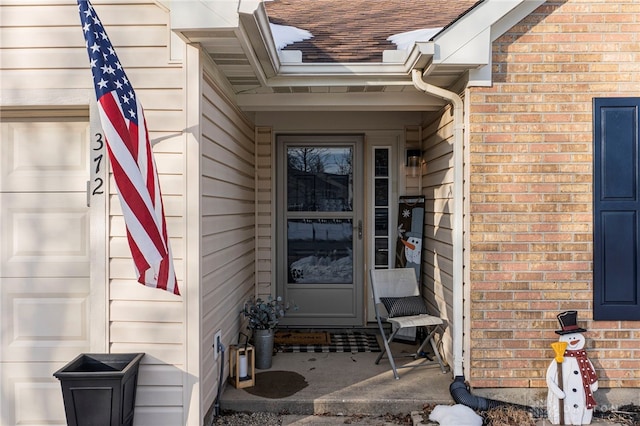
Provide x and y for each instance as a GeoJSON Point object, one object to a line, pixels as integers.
{"type": "Point", "coordinates": [530, 191]}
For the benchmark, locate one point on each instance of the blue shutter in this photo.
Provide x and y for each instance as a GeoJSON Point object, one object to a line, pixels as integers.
{"type": "Point", "coordinates": [616, 205]}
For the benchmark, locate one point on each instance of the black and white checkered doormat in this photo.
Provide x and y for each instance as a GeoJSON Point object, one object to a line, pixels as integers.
{"type": "Point", "coordinates": [340, 342]}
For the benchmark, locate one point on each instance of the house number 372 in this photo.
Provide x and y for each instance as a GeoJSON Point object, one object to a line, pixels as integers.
{"type": "Point", "coordinates": [95, 186]}
{"type": "Point", "coordinates": [98, 155]}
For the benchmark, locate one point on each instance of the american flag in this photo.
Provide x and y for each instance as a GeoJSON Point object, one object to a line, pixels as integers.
{"type": "Point", "coordinates": [134, 169]}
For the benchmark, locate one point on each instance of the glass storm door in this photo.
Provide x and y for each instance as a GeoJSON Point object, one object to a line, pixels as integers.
{"type": "Point", "coordinates": [320, 229]}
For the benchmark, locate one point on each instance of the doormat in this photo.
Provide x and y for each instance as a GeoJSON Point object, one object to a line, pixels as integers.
{"type": "Point", "coordinates": [302, 338]}
{"type": "Point", "coordinates": [340, 342]}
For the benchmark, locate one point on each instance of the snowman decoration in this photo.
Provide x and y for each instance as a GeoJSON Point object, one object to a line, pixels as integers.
{"type": "Point", "coordinates": [571, 377]}
{"type": "Point", "coordinates": [412, 248]}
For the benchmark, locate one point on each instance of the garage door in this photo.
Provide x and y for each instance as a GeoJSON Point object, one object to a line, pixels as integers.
{"type": "Point", "coordinates": [44, 261]}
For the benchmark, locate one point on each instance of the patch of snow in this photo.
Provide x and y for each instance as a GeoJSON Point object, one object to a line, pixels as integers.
{"type": "Point", "coordinates": [455, 415]}
{"type": "Point", "coordinates": [322, 269]}
{"type": "Point", "coordinates": [406, 40]}
{"type": "Point", "coordinates": [284, 35]}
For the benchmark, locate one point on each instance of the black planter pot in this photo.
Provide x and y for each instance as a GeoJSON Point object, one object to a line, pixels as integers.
{"type": "Point", "coordinates": [100, 389]}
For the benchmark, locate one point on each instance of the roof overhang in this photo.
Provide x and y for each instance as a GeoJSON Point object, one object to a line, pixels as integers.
{"type": "Point", "coordinates": [237, 37]}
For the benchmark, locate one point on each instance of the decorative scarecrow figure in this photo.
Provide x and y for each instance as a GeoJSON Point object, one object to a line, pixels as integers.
{"type": "Point", "coordinates": [571, 377]}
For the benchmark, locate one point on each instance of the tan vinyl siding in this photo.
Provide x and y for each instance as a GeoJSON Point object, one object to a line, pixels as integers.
{"type": "Point", "coordinates": [228, 223]}
{"type": "Point", "coordinates": [43, 46]}
{"type": "Point", "coordinates": [437, 187]}
{"type": "Point", "coordinates": [144, 319]}
{"type": "Point", "coordinates": [265, 218]}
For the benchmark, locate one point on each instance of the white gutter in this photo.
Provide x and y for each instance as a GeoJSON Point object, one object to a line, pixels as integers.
{"type": "Point", "coordinates": [457, 226]}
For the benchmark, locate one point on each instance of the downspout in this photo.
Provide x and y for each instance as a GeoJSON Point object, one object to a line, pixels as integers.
{"type": "Point", "coordinates": [459, 389]}
{"type": "Point", "coordinates": [458, 200]}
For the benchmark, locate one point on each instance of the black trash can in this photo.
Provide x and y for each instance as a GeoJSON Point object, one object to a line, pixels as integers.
{"type": "Point", "coordinates": [100, 389]}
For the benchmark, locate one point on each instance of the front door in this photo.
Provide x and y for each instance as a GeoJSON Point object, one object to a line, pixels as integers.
{"type": "Point", "coordinates": [320, 235]}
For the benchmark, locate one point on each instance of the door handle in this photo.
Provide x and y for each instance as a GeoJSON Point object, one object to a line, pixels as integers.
{"type": "Point", "coordinates": [359, 229]}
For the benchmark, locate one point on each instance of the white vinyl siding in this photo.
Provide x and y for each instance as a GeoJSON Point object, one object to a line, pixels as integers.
{"type": "Point", "coordinates": [228, 212]}
{"type": "Point", "coordinates": [437, 187]}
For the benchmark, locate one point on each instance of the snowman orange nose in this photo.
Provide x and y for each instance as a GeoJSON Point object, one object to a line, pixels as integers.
{"type": "Point", "coordinates": [408, 244]}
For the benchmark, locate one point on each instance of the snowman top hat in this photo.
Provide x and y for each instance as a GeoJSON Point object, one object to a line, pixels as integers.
{"type": "Point", "coordinates": [569, 323]}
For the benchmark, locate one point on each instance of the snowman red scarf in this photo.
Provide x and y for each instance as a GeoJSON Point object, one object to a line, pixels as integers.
{"type": "Point", "coordinates": [588, 374]}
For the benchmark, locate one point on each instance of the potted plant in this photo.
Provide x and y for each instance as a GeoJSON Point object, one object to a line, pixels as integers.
{"type": "Point", "coordinates": [264, 316]}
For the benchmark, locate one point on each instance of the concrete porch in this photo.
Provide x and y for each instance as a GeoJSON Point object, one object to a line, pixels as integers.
{"type": "Point", "coordinates": [349, 383]}
{"type": "Point", "coordinates": [339, 385]}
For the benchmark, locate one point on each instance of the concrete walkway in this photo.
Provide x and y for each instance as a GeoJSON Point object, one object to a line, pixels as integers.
{"type": "Point", "coordinates": [417, 420]}
{"type": "Point", "coordinates": [301, 420]}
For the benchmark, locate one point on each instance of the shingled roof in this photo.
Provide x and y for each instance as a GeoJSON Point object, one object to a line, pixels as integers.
{"type": "Point", "coordinates": [357, 30]}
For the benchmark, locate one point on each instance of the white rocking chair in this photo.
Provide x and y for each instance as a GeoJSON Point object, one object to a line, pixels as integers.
{"type": "Point", "coordinates": [397, 301]}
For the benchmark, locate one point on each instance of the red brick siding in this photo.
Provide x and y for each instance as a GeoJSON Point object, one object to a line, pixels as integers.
{"type": "Point", "coordinates": [531, 191]}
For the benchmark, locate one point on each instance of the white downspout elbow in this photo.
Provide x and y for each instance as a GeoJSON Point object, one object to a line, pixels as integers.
{"type": "Point", "coordinates": [458, 216]}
